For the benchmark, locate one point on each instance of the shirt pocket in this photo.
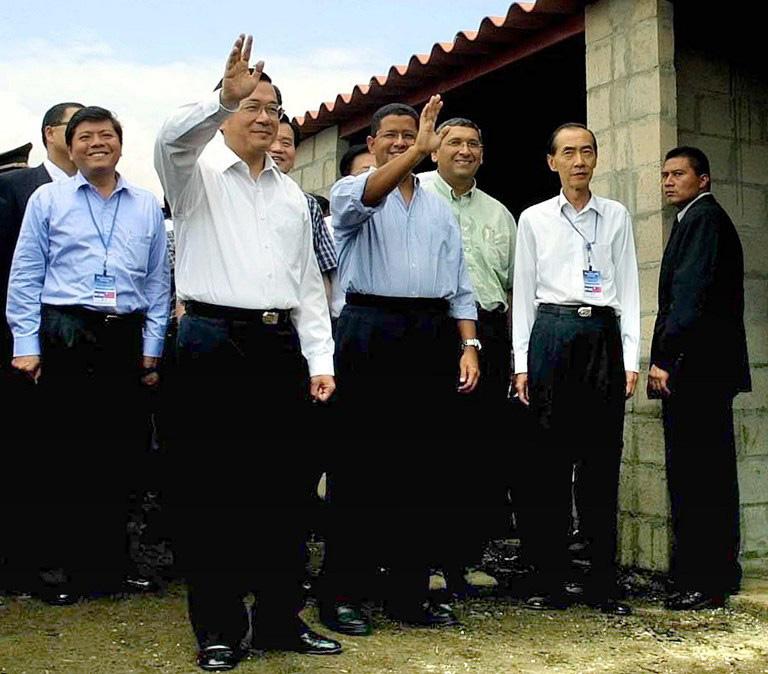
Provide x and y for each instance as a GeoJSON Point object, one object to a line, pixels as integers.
{"type": "Point", "coordinates": [137, 254]}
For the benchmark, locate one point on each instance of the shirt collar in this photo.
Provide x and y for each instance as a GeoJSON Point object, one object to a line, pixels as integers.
{"type": "Point", "coordinates": [54, 171]}
{"type": "Point", "coordinates": [445, 187]}
{"type": "Point", "coordinates": [682, 213]}
{"type": "Point", "coordinates": [222, 158]}
{"type": "Point", "coordinates": [593, 204]}
{"type": "Point", "coordinates": [81, 180]}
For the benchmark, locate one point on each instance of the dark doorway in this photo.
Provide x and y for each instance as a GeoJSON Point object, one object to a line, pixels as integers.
{"type": "Point", "coordinates": [517, 107]}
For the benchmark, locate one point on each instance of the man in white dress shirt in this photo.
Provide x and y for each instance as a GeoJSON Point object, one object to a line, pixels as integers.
{"type": "Point", "coordinates": [246, 270]}
{"type": "Point", "coordinates": [576, 332]}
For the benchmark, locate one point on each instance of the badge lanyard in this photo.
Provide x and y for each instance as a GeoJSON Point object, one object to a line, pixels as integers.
{"type": "Point", "coordinates": [104, 243]}
{"type": "Point", "coordinates": [587, 242]}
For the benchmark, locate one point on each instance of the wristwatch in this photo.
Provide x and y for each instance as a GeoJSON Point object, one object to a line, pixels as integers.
{"type": "Point", "coordinates": [471, 342]}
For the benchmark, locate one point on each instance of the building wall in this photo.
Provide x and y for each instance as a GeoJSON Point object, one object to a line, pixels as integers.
{"type": "Point", "coordinates": [317, 161]}
{"type": "Point", "coordinates": [723, 109]}
{"type": "Point", "coordinates": [647, 91]}
{"type": "Point", "coordinates": [631, 107]}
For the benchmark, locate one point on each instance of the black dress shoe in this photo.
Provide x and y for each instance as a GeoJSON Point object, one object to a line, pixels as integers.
{"type": "Point", "coordinates": [345, 619]}
{"type": "Point", "coordinates": [140, 584]}
{"type": "Point", "coordinates": [693, 600]}
{"type": "Point", "coordinates": [305, 642]}
{"type": "Point", "coordinates": [218, 658]}
{"type": "Point", "coordinates": [430, 614]}
{"type": "Point", "coordinates": [55, 596]}
{"type": "Point", "coordinates": [547, 602]}
{"type": "Point", "coordinates": [613, 607]}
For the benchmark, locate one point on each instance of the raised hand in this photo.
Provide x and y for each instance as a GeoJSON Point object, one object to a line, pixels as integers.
{"type": "Point", "coordinates": [428, 140]}
{"type": "Point", "coordinates": [239, 82]}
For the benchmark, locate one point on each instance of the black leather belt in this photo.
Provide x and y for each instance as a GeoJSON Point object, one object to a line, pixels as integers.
{"type": "Point", "coordinates": [94, 316]}
{"type": "Point", "coordinates": [264, 316]}
{"type": "Point", "coordinates": [580, 310]}
{"type": "Point", "coordinates": [434, 304]}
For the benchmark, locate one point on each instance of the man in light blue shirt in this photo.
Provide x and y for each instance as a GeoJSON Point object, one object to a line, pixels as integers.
{"type": "Point", "coordinates": [409, 312]}
{"type": "Point", "coordinates": [87, 306]}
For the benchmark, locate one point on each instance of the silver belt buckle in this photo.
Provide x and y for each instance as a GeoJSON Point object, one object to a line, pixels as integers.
{"type": "Point", "coordinates": [108, 318]}
{"type": "Point", "coordinates": [270, 318]}
{"type": "Point", "coordinates": [585, 312]}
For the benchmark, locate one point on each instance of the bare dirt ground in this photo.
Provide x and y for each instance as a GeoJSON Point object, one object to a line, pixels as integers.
{"type": "Point", "coordinates": [152, 634]}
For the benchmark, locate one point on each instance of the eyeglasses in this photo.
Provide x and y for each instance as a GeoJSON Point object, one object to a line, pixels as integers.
{"type": "Point", "coordinates": [456, 143]}
{"type": "Point", "coordinates": [407, 136]}
{"type": "Point", "coordinates": [273, 110]}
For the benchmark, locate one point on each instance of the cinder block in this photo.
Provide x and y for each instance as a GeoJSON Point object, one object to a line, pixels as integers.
{"type": "Point", "coordinates": [721, 153]}
{"type": "Point", "coordinates": [661, 548]}
{"type": "Point", "coordinates": [754, 164]}
{"type": "Point", "coordinates": [644, 45]}
{"type": "Point", "coordinates": [649, 441]}
{"type": "Point", "coordinates": [757, 399]}
{"type": "Point", "coordinates": [717, 115]}
{"type": "Point", "coordinates": [599, 62]}
{"type": "Point", "coordinates": [599, 109]}
{"type": "Point", "coordinates": [644, 544]}
{"type": "Point", "coordinates": [687, 110]}
{"type": "Point", "coordinates": [644, 94]}
{"type": "Point", "coordinates": [627, 487]}
{"type": "Point", "coordinates": [597, 22]}
{"type": "Point", "coordinates": [753, 479]}
{"type": "Point", "coordinates": [644, 9]}
{"type": "Point", "coordinates": [757, 340]}
{"type": "Point", "coordinates": [755, 301]}
{"type": "Point", "coordinates": [326, 143]}
{"type": "Point", "coordinates": [619, 102]}
{"type": "Point", "coordinates": [620, 55]}
{"type": "Point", "coordinates": [754, 532]}
{"type": "Point", "coordinates": [649, 238]}
{"type": "Point", "coordinates": [305, 153]}
{"type": "Point", "coordinates": [751, 430]}
{"type": "Point", "coordinates": [645, 142]}
{"type": "Point", "coordinates": [627, 541]}
{"type": "Point", "coordinates": [697, 71]}
{"type": "Point", "coordinates": [649, 197]}
{"type": "Point", "coordinates": [312, 176]}
{"type": "Point", "coordinates": [329, 172]}
{"type": "Point", "coordinates": [652, 497]}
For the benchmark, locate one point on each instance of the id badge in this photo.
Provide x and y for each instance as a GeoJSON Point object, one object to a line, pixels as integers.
{"type": "Point", "coordinates": [104, 291]}
{"type": "Point", "coordinates": [593, 283]}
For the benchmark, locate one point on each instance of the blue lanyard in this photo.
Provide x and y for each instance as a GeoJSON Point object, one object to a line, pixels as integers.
{"type": "Point", "coordinates": [587, 242]}
{"type": "Point", "coordinates": [108, 242]}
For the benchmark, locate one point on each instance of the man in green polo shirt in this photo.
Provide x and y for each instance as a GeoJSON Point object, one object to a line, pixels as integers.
{"type": "Point", "coordinates": [488, 233]}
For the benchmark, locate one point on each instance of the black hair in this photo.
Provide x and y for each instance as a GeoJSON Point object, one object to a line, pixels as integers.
{"type": "Point", "coordinates": [345, 165]}
{"type": "Point", "coordinates": [696, 158]}
{"type": "Point", "coordinates": [92, 113]}
{"type": "Point", "coordinates": [399, 109]}
{"type": "Point", "coordinates": [325, 205]}
{"type": "Point", "coordinates": [461, 121]}
{"type": "Point", "coordinates": [284, 119]}
{"type": "Point", "coordinates": [552, 149]}
{"type": "Point", "coordinates": [54, 116]}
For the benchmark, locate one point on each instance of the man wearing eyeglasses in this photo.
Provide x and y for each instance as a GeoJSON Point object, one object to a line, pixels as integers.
{"type": "Point", "coordinates": [488, 232]}
{"type": "Point", "coordinates": [254, 302]}
{"type": "Point", "coordinates": [409, 312]}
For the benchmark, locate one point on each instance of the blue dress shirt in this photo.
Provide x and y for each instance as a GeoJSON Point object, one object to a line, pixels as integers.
{"type": "Point", "coordinates": [59, 251]}
{"type": "Point", "coordinates": [396, 249]}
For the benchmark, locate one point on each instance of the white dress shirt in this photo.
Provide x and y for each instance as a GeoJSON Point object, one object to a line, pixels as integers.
{"type": "Point", "coordinates": [54, 171]}
{"type": "Point", "coordinates": [240, 242]}
{"type": "Point", "coordinates": [550, 259]}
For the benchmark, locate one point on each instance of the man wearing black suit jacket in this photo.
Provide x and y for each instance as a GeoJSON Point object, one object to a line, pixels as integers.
{"type": "Point", "coordinates": [15, 189]}
{"type": "Point", "coordinates": [698, 364]}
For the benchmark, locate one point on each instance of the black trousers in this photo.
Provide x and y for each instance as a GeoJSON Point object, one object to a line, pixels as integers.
{"type": "Point", "coordinates": [240, 473]}
{"type": "Point", "coordinates": [576, 381]}
{"type": "Point", "coordinates": [92, 426]}
{"type": "Point", "coordinates": [703, 489]}
{"type": "Point", "coordinates": [482, 475]}
{"type": "Point", "coordinates": [397, 369]}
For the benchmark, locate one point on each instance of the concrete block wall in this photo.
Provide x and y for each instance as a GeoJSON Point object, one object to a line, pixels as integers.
{"type": "Point", "coordinates": [317, 161]}
{"type": "Point", "coordinates": [723, 111]}
{"type": "Point", "coordinates": [631, 107]}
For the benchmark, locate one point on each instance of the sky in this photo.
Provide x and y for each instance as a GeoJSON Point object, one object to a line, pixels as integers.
{"type": "Point", "coordinates": [142, 59]}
